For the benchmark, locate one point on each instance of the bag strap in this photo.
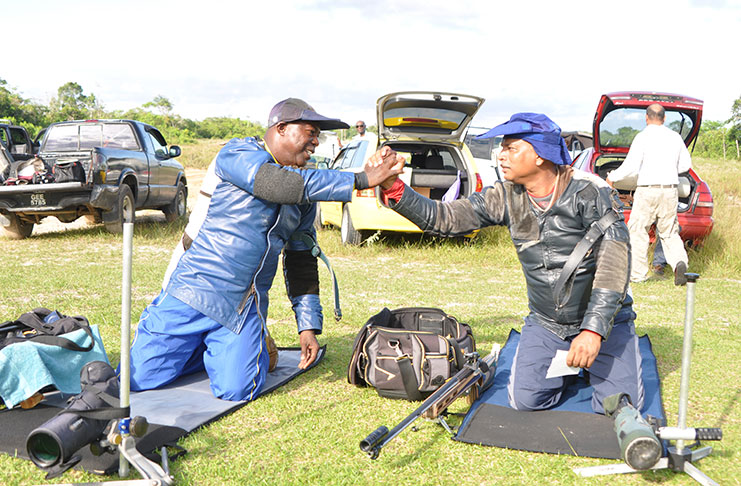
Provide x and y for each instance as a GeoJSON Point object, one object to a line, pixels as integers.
{"type": "Point", "coordinates": [411, 386]}
{"type": "Point", "coordinates": [101, 413]}
{"type": "Point", "coordinates": [33, 321]}
{"type": "Point", "coordinates": [317, 252]}
{"type": "Point", "coordinates": [595, 232]}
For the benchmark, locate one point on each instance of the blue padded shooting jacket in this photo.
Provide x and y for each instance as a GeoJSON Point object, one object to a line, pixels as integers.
{"type": "Point", "coordinates": [231, 264]}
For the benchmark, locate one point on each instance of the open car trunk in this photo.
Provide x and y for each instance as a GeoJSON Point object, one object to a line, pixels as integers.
{"type": "Point", "coordinates": [620, 117]}
{"type": "Point", "coordinates": [435, 168]}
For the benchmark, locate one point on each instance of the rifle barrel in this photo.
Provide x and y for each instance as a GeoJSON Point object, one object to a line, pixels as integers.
{"type": "Point", "coordinates": [373, 444]}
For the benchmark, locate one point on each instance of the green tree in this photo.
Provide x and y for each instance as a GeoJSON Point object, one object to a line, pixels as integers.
{"type": "Point", "coordinates": [72, 104]}
{"type": "Point", "coordinates": [223, 127]}
{"type": "Point", "coordinates": [21, 111]}
{"type": "Point", "coordinates": [734, 133]}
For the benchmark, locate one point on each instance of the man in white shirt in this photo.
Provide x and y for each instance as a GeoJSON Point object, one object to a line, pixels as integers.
{"type": "Point", "coordinates": [657, 155]}
{"type": "Point", "coordinates": [363, 134]}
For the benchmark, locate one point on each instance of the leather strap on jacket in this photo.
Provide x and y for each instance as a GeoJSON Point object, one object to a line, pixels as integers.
{"type": "Point", "coordinates": [317, 252]}
{"type": "Point", "coordinates": [595, 232]}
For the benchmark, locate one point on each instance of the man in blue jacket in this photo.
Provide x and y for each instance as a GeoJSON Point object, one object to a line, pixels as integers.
{"type": "Point", "coordinates": [212, 313]}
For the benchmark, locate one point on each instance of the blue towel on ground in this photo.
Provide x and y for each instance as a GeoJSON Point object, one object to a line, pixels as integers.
{"type": "Point", "coordinates": [26, 368]}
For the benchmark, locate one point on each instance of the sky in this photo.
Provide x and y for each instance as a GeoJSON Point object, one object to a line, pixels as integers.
{"type": "Point", "coordinates": [237, 58]}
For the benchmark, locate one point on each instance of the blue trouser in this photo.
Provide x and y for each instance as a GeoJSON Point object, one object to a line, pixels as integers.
{"type": "Point", "coordinates": [617, 368]}
{"type": "Point", "coordinates": [173, 339]}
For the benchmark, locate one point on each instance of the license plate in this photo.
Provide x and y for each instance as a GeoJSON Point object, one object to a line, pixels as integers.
{"type": "Point", "coordinates": [38, 200]}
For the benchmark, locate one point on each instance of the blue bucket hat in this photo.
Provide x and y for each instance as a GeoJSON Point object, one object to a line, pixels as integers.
{"type": "Point", "coordinates": [539, 131]}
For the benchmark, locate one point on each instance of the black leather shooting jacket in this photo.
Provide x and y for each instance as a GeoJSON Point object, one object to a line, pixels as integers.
{"type": "Point", "coordinates": [544, 239]}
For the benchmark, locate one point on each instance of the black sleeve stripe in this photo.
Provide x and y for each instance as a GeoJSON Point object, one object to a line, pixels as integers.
{"type": "Point", "coordinates": [277, 185]}
{"type": "Point", "coordinates": [301, 273]}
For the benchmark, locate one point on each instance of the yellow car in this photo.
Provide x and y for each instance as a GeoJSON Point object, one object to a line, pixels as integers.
{"type": "Point", "coordinates": [427, 128]}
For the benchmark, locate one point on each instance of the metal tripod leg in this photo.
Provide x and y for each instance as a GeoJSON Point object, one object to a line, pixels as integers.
{"type": "Point", "coordinates": [680, 457]}
{"type": "Point", "coordinates": [147, 468]}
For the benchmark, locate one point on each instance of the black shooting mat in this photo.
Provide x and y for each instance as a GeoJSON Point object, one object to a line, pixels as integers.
{"type": "Point", "coordinates": [170, 411]}
{"type": "Point", "coordinates": [569, 428]}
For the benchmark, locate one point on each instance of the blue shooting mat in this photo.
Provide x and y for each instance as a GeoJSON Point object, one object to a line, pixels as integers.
{"type": "Point", "coordinates": [172, 412]}
{"type": "Point", "coordinates": [571, 427]}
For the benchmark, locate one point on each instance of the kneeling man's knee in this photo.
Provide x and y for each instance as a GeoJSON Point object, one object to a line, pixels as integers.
{"type": "Point", "coordinates": [530, 400]}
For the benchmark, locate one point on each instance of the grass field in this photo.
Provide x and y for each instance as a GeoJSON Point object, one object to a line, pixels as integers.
{"type": "Point", "coordinates": [307, 432]}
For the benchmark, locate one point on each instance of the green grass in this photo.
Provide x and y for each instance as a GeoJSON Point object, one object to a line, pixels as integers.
{"type": "Point", "coordinates": [307, 432]}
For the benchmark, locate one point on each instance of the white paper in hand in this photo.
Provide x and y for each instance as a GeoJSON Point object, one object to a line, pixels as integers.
{"type": "Point", "coordinates": [559, 367]}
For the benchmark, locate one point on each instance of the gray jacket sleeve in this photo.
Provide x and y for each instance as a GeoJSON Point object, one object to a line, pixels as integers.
{"type": "Point", "coordinates": [455, 218]}
{"type": "Point", "coordinates": [612, 274]}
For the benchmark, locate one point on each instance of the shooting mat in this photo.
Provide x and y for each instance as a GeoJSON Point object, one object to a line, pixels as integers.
{"type": "Point", "coordinates": [170, 411]}
{"type": "Point", "coordinates": [569, 428]}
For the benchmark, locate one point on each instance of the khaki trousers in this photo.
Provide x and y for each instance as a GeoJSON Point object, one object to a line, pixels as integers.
{"type": "Point", "coordinates": [659, 205]}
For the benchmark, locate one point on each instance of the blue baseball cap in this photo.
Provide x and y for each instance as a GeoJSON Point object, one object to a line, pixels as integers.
{"type": "Point", "coordinates": [539, 131]}
{"type": "Point", "coordinates": [293, 110]}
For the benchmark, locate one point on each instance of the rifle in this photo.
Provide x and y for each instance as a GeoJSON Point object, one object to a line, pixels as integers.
{"type": "Point", "coordinates": [475, 377]}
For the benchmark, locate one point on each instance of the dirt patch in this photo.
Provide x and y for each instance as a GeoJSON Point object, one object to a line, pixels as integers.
{"type": "Point", "coordinates": [195, 179]}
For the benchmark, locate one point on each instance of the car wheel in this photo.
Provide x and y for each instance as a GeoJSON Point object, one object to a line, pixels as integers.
{"type": "Point", "coordinates": [124, 212]}
{"type": "Point", "coordinates": [178, 207]}
{"type": "Point", "coordinates": [18, 228]}
{"type": "Point", "coordinates": [348, 233]}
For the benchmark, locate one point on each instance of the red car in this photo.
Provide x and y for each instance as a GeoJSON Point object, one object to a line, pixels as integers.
{"type": "Point", "coordinates": [619, 117]}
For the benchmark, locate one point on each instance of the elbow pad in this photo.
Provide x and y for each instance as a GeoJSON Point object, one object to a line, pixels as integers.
{"type": "Point", "coordinates": [274, 184]}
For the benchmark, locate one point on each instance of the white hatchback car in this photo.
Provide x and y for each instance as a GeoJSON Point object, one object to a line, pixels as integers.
{"type": "Point", "coordinates": [427, 128]}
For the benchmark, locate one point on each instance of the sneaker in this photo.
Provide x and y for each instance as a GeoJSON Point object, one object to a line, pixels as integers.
{"type": "Point", "coordinates": [679, 274]}
{"type": "Point", "coordinates": [272, 352]}
{"type": "Point", "coordinates": [658, 270]}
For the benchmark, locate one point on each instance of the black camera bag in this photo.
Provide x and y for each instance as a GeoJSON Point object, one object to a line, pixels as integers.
{"type": "Point", "coordinates": [410, 352]}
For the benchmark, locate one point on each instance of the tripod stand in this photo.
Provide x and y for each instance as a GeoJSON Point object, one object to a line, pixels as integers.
{"type": "Point", "coordinates": [121, 431]}
{"type": "Point", "coordinates": [679, 458]}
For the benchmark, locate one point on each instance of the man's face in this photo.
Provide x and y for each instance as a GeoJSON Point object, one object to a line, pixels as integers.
{"type": "Point", "coordinates": [298, 142]}
{"type": "Point", "coordinates": [517, 160]}
{"type": "Point", "coordinates": [361, 127]}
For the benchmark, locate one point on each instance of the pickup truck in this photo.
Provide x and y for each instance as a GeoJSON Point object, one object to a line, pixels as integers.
{"type": "Point", "coordinates": [102, 169]}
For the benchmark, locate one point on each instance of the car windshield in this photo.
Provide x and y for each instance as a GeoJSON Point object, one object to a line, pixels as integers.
{"type": "Point", "coordinates": [619, 127]}
{"type": "Point", "coordinates": [70, 138]}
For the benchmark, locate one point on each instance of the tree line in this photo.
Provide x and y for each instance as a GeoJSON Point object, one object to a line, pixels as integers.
{"type": "Point", "coordinates": [717, 139]}
{"type": "Point", "coordinates": [71, 103]}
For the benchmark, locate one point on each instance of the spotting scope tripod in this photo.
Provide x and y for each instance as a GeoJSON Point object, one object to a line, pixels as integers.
{"type": "Point", "coordinates": [643, 452]}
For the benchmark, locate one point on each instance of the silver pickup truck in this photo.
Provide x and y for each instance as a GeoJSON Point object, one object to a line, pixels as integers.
{"type": "Point", "coordinates": [102, 169]}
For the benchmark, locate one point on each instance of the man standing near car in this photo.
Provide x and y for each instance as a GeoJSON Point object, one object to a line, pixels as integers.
{"type": "Point", "coordinates": [657, 155]}
{"type": "Point", "coordinates": [212, 311]}
{"type": "Point", "coordinates": [549, 208]}
{"type": "Point", "coordinates": [364, 134]}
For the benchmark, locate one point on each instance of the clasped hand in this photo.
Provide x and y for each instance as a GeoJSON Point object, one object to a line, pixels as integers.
{"type": "Point", "coordinates": [383, 167]}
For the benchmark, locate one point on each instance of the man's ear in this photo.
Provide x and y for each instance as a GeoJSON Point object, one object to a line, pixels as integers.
{"type": "Point", "coordinates": [281, 128]}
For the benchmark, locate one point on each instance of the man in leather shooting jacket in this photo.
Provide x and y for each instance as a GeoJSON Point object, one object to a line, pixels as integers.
{"type": "Point", "coordinates": [549, 207]}
{"type": "Point", "coordinates": [212, 311]}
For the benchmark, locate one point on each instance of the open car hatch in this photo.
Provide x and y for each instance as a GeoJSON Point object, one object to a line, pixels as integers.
{"type": "Point", "coordinates": [428, 115]}
{"type": "Point", "coordinates": [620, 116]}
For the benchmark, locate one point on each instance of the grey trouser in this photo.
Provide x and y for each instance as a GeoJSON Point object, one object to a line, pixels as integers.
{"type": "Point", "coordinates": [617, 368]}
